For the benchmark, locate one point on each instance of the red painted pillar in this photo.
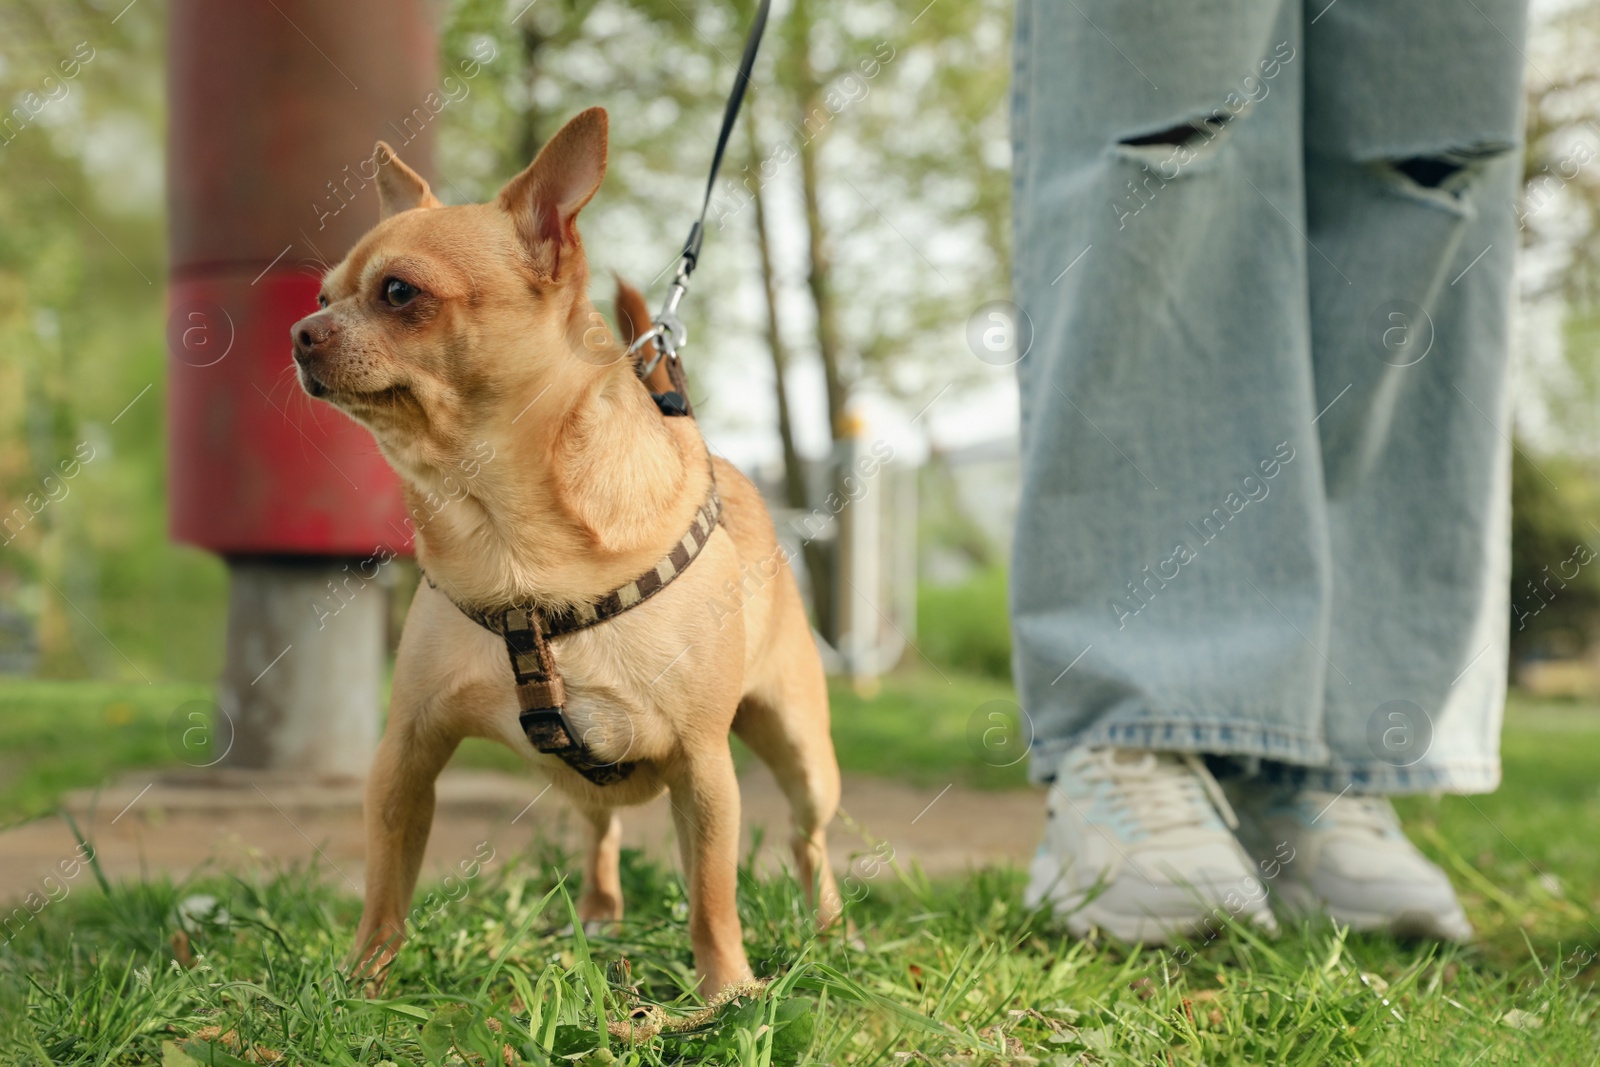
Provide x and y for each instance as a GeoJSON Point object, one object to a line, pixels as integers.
{"type": "Point", "coordinates": [274, 106]}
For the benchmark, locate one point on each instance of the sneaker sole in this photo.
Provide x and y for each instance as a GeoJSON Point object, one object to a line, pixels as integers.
{"type": "Point", "coordinates": [1300, 901]}
{"type": "Point", "coordinates": [1088, 920]}
{"type": "Point", "coordinates": [1085, 920]}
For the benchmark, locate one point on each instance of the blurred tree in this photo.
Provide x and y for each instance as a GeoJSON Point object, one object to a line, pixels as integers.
{"type": "Point", "coordinates": [818, 560]}
{"type": "Point", "coordinates": [81, 272]}
{"type": "Point", "coordinates": [798, 76]}
{"type": "Point", "coordinates": [827, 138]}
{"type": "Point", "coordinates": [1559, 343]}
{"type": "Point", "coordinates": [1555, 560]}
{"type": "Point", "coordinates": [874, 166]}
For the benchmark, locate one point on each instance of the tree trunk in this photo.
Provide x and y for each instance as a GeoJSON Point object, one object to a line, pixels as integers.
{"type": "Point", "coordinates": [535, 40]}
{"type": "Point", "coordinates": [794, 473]}
{"type": "Point", "coordinates": [818, 564]}
{"type": "Point", "coordinates": [819, 281]}
{"type": "Point", "coordinates": [530, 137]}
{"type": "Point", "coordinates": [808, 93]}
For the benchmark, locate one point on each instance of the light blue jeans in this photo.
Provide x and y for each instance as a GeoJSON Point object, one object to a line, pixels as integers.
{"type": "Point", "coordinates": [1265, 248]}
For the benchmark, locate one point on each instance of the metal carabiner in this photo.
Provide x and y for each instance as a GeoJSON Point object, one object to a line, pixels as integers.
{"type": "Point", "coordinates": [667, 330]}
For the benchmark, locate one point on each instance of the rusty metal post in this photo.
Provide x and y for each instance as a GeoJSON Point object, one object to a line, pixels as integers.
{"type": "Point", "coordinates": [274, 106]}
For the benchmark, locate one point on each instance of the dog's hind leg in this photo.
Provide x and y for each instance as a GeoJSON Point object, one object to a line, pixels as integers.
{"type": "Point", "coordinates": [785, 722]}
{"type": "Point", "coordinates": [601, 901]}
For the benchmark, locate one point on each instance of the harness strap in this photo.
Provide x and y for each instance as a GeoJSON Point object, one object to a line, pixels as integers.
{"type": "Point", "coordinates": [542, 696]}
{"type": "Point", "coordinates": [648, 584]}
{"type": "Point", "coordinates": [527, 628]}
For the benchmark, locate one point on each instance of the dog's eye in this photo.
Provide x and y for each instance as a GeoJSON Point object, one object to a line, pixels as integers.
{"type": "Point", "coordinates": [398, 293]}
{"type": "Point", "coordinates": [322, 300]}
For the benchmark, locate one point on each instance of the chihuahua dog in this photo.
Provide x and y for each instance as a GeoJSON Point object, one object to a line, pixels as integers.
{"type": "Point", "coordinates": [464, 339]}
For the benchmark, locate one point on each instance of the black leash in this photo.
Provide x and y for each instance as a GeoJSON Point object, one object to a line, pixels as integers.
{"type": "Point", "coordinates": [667, 330]}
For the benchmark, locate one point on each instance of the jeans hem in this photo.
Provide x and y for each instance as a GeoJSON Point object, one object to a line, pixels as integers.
{"type": "Point", "coordinates": [1476, 776]}
{"type": "Point", "coordinates": [1240, 738]}
{"type": "Point", "coordinates": [1287, 758]}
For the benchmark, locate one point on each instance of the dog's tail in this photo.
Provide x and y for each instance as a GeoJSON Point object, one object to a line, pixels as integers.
{"type": "Point", "coordinates": [633, 319]}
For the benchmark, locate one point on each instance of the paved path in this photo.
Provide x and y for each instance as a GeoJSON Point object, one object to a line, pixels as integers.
{"type": "Point", "coordinates": [175, 825]}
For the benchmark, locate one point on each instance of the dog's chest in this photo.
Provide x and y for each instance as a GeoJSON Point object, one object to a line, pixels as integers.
{"type": "Point", "coordinates": [610, 713]}
{"type": "Point", "coordinates": [606, 724]}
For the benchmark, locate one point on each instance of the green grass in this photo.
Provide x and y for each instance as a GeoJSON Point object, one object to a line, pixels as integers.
{"type": "Point", "coordinates": [1530, 845]}
{"type": "Point", "coordinates": [930, 728]}
{"type": "Point", "coordinates": [956, 971]}
{"type": "Point", "coordinates": [56, 736]}
{"type": "Point", "coordinates": [966, 625]}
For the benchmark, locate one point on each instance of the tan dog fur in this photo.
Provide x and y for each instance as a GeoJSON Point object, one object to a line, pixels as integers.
{"type": "Point", "coordinates": [496, 387]}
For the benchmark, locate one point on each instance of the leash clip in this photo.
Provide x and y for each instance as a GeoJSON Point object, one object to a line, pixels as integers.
{"type": "Point", "coordinates": [667, 331]}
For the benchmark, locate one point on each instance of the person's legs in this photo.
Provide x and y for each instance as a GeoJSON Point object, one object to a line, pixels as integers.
{"type": "Point", "coordinates": [1170, 585]}
{"type": "Point", "coordinates": [1413, 133]}
{"type": "Point", "coordinates": [1368, 652]}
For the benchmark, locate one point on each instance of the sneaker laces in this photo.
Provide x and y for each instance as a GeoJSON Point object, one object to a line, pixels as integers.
{"type": "Point", "coordinates": [1167, 790]}
{"type": "Point", "coordinates": [1371, 814]}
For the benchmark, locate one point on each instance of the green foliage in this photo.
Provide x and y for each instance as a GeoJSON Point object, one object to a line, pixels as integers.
{"type": "Point", "coordinates": [917, 728]}
{"type": "Point", "coordinates": [965, 626]}
{"type": "Point", "coordinates": [56, 736]}
{"type": "Point", "coordinates": [1555, 561]}
{"type": "Point", "coordinates": [82, 259]}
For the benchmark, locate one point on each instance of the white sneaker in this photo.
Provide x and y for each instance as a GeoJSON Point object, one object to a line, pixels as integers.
{"type": "Point", "coordinates": [1138, 845]}
{"type": "Point", "coordinates": [1347, 855]}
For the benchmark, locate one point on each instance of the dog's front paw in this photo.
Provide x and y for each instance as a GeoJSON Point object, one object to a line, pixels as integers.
{"type": "Point", "coordinates": [367, 963]}
{"type": "Point", "coordinates": [367, 977]}
{"type": "Point", "coordinates": [717, 980]}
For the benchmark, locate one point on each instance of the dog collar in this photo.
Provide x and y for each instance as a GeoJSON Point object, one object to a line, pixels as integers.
{"type": "Point", "coordinates": [527, 628]}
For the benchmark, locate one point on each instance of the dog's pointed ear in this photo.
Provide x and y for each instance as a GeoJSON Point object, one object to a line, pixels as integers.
{"type": "Point", "coordinates": [399, 187]}
{"type": "Point", "coordinates": [545, 199]}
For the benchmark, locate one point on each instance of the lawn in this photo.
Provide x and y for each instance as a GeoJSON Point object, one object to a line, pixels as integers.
{"type": "Point", "coordinates": [954, 971]}
{"type": "Point", "coordinates": [56, 736]}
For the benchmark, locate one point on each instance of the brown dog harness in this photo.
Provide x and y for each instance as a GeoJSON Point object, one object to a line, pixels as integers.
{"type": "Point", "coordinates": [527, 629]}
